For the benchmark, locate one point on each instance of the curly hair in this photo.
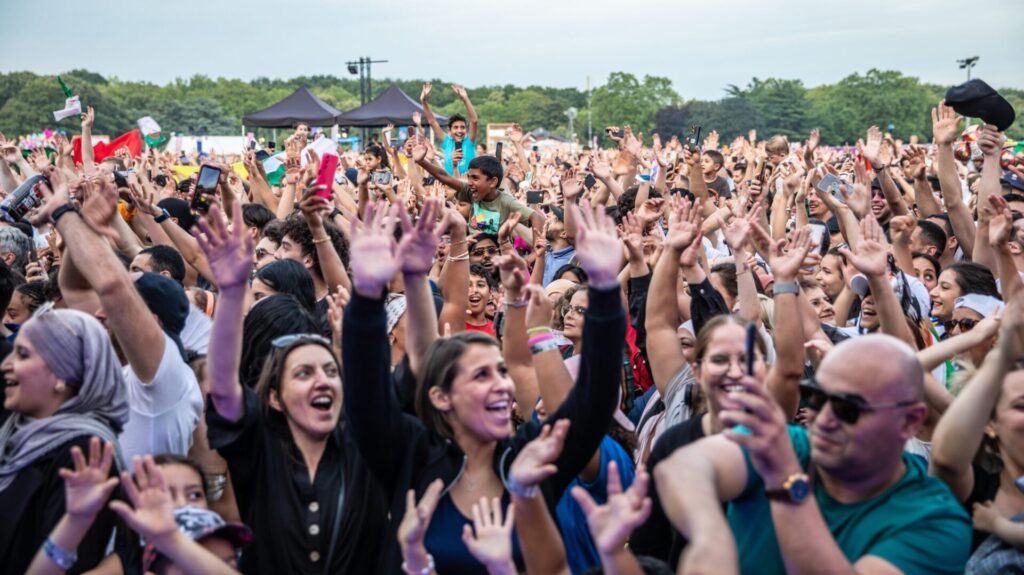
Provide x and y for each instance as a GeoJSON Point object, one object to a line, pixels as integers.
{"type": "Point", "coordinates": [296, 229]}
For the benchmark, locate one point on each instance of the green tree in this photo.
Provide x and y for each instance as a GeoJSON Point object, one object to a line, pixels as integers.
{"type": "Point", "coordinates": [881, 98]}
{"type": "Point", "coordinates": [625, 100]}
{"type": "Point", "coordinates": [781, 104]}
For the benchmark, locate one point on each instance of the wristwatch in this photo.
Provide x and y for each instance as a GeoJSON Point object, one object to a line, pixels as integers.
{"type": "Point", "coordinates": [61, 210]}
{"type": "Point", "coordinates": [795, 489]}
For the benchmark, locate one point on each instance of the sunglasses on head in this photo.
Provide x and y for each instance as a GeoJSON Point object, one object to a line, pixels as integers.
{"type": "Point", "coordinates": [846, 406]}
{"type": "Point", "coordinates": [287, 340]}
{"type": "Point", "coordinates": [966, 324]}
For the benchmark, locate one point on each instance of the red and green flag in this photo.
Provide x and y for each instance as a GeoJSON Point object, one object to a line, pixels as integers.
{"type": "Point", "coordinates": [151, 132]}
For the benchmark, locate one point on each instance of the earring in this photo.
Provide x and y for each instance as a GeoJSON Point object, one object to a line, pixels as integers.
{"type": "Point", "coordinates": [60, 387]}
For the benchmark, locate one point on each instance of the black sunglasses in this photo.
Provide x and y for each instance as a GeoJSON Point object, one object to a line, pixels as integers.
{"type": "Point", "coordinates": [846, 406]}
{"type": "Point", "coordinates": [966, 324]}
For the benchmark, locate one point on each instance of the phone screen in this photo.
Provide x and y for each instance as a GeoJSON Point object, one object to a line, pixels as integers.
{"type": "Point", "coordinates": [262, 155]}
{"type": "Point", "coordinates": [205, 184]}
{"type": "Point", "coordinates": [535, 197]}
{"type": "Point", "coordinates": [497, 150]}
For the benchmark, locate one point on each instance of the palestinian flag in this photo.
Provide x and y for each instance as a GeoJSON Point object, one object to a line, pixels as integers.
{"type": "Point", "coordinates": [132, 140]}
{"type": "Point", "coordinates": [151, 132]}
{"type": "Point", "coordinates": [274, 168]}
{"type": "Point", "coordinates": [72, 105]}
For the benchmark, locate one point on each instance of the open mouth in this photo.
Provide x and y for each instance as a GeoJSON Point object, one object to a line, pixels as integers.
{"type": "Point", "coordinates": [322, 403]}
{"type": "Point", "coordinates": [10, 382]}
{"type": "Point", "coordinates": [501, 406]}
{"type": "Point", "coordinates": [733, 388]}
{"type": "Point", "coordinates": [475, 299]}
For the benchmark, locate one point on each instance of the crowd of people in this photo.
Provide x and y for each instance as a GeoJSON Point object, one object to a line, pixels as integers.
{"type": "Point", "coordinates": [668, 355]}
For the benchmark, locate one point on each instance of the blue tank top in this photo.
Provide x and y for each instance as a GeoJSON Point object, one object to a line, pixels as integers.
{"type": "Point", "coordinates": [444, 539]}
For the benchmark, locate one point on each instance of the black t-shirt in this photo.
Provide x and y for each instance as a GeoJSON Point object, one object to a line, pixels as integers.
{"type": "Point", "coordinates": [721, 187]}
{"type": "Point", "coordinates": [986, 485]}
{"type": "Point", "coordinates": [656, 537]}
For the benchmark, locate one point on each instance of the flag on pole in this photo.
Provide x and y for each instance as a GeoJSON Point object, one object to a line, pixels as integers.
{"type": "Point", "coordinates": [151, 132]}
{"type": "Point", "coordinates": [274, 168]}
{"type": "Point", "coordinates": [72, 105]}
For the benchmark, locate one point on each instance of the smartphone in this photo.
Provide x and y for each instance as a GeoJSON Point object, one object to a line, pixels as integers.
{"type": "Point", "coordinates": [590, 181]}
{"type": "Point", "coordinates": [751, 334]}
{"type": "Point", "coordinates": [818, 232]}
{"type": "Point", "coordinates": [429, 181]}
{"type": "Point", "coordinates": [693, 138]}
{"type": "Point", "coordinates": [497, 150]}
{"type": "Point", "coordinates": [831, 184]}
{"type": "Point", "coordinates": [252, 145]}
{"type": "Point", "coordinates": [262, 155]}
{"type": "Point", "coordinates": [382, 177]}
{"type": "Point", "coordinates": [328, 167]}
{"type": "Point", "coordinates": [206, 184]}
{"type": "Point", "coordinates": [534, 197]}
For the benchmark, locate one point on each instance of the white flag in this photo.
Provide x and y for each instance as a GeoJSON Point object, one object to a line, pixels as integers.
{"type": "Point", "coordinates": [147, 125]}
{"type": "Point", "coordinates": [72, 107]}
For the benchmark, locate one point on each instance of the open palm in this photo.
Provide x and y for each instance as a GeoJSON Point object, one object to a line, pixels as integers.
{"type": "Point", "coordinates": [535, 461]}
{"type": "Point", "coordinates": [153, 512]}
{"type": "Point", "coordinates": [684, 224]}
{"type": "Point", "coordinates": [88, 486]}
{"type": "Point", "coordinates": [597, 245]}
{"type": "Point", "coordinates": [419, 243]}
{"type": "Point", "coordinates": [373, 255]}
{"type": "Point", "coordinates": [872, 256]}
{"type": "Point", "coordinates": [228, 251]}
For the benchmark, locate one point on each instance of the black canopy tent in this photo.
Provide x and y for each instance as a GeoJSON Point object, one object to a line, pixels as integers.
{"type": "Point", "coordinates": [391, 107]}
{"type": "Point", "coordinates": [301, 106]}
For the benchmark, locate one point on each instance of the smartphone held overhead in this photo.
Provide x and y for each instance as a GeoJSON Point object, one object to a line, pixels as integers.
{"type": "Point", "coordinates": [325, 178]}
{"type": "Point", "coordinates": [206, 185]}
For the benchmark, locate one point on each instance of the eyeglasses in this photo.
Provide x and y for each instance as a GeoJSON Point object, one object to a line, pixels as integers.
{"type": "Point", "coordinates": [846, 406]}
{"type": "Point", "coordinates": [966, 324]}
{"type": "Point", "coordinates": [576, 309]}
{"type": "Point", "coordinates": [262, 253]}
{"type": "Point", "coordinates": [720, 364]}
{"type": "Point", "coordinates": [287, 340]}
{"type": "Point", "coordinates": [479, 252]}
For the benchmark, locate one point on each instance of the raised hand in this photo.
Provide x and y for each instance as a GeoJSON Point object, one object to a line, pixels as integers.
{"type": "Point", "coordinates": [915, 163]}
{"type": "Point", "coordinates": [88, 117]}
{"type": "Point", "coordinates": [419, 152]}
{"type": "Point", "coordinates": [417, 119]}
{"type": "Point", "coordinates": [508, 228]}
{"type": "Point", "coordinates": [460, 91]}
{"type": "Point", "coordinates": [633, 236]}
{"type": "Point", "coordinates": [901, 228]}
{"type": "Point", "coordinates": [539, 310]}
{"type": "Point", "coordinates": [1000, 222]}
{"type": "Point", "coordinates": [416, 520]}
{"type": "Point", "coordinates": [228, 249]}
{"type": "Point", "coordinates": [419, 243]}
{"type": "Point", "coordinates": [738, 229]}
{"type": "Point", "coordinates": [786, 264]}
{"type": "Point", "coordinates": [153, 513]}
{"type": "Point", "coordinates": [871, 257]}
{"type": "Point", "coordinates": [945, 124]}
{"type": "Point", "coordinates": [99, 206]}
{"type": "Point", "coordinates": [602, 170]}
{"type": "Point", "coordinates": [684, 224]}
{"type": "Point", "coordinates": [597, 245]}
{"type": "Point", "coordinates": [873, 147]}
{"type": "Point", "coordinates": [88, 486]}
{"type": "Point", "coordinates": [612, 523]}
{"type": "Point", "coordinates": [990, 140]}
{"type": "Point", "coordinates": [373, 252]}
{"type": "Point", "coordinates": [492, 543]}
{"type": "Point", "coordinates": [513, 271]}
{"type": "Point", "coordinates": [812, 143]}
{"type": "Point", "coordinates": [571, 185]}
{"type": "Point", "coordinates": [650, 211]}
{"type": "Point", "coordinates": [536, 461]}
{"type": "Point", "coordinates": [425, 92]}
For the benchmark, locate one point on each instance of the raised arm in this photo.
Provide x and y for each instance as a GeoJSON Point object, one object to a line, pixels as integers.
{"type": "Point", "coordinates": [945, 128]}
{"type": "Point", "coordinates": [418, 246]}
{"type": "Point", "coordinates": [313, 207]}
{"type": "Point", "coordinates": [129, 318]}
{"type": "Point", "coordinates": [454, 280]}
{"type": "Point", "coordinates": [985, 253]}
{"type": "Point", "coordinates": [419, 155]}
{"type": "Point", "coordinates": [784, 378]}
{"type": "Point", "coordinates": [424, 96]}
{"type": "Point", "coordinates": [736, 233]}
{"type": "Point", "coordinates": [474, 121]}
{"type": "Point", "coordinates": [229, 251]}
{"type": "Point", "coordinates": [611, 524]}
{"type": "Point", "coordinates": [871, 259]}
{"type": "Point", "coordinates": [663, 351]}
{"type": "Point", "coordinates": [88, 161]}
{"type": "Point", "coordinates": [514, 349]}
{"type": "Point", "coordinates": [880, 157]}
{"type": "Point", "coordinates": [960, 430]}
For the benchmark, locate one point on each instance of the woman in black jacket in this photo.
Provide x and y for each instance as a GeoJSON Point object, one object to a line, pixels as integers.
{"type": "Point", "coordinates": [298, 477]}
{"type": "Point", "coordinates": [464, 400]}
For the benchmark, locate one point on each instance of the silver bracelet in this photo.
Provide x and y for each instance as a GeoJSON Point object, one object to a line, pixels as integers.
{"type": "Point", "coordinates": [62, 557]}
{"type": "Point", "coordinates": [461, 258]}
{"type": "Point", "coordinates": [542, 346]}
{"type": "Point", "coordinates": [425, 571]}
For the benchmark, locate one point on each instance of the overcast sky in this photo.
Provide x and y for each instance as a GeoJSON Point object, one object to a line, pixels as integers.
{"type": "Point", "coordinates": [701, 45]}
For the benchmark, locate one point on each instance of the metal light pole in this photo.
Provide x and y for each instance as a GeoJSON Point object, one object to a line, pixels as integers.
{"type": "Point", "coordinates": [967, 64]}
{"type": "Point", "coordinates": [362, 67]}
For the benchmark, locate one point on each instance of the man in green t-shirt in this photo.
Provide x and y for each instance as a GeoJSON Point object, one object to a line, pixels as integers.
{"type": "Point", "coordinates": [491, 205]}
{"type": "Point", "coordinates": [839, 497]}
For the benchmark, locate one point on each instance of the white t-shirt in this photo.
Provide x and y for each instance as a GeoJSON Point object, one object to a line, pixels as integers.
{"type": "Point", "coordinates": [163, 414]}
{"type": "Point", "coordinates": [677, 410]}
{"type": "Point", "coordinates": [196, 333]}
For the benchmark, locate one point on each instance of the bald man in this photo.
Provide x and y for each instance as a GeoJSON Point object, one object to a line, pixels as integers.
{"type": "Point", "coordinates": [839, 497]}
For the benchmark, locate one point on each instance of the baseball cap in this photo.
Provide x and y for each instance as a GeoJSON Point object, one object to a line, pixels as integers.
{"type": "Point", "coordinates": [198, 524]}
{"type": "Point", "coordinates": [977, 99]}
{"type": "Point", "coordinates": [985, 305]}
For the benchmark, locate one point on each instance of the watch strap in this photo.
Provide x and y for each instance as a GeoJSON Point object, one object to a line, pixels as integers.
{"type": "Point", "coordinates": [164, 216]}
{"type": "Point", "coordinates": [786, 287]}
{"type": "Point", "coordinates": [62, 557]}
{"type": "Point", "coordinates": [61, 210]}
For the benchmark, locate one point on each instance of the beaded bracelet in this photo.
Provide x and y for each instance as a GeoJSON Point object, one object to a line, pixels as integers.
{"type": "Point", "coordinates": [546, 345]}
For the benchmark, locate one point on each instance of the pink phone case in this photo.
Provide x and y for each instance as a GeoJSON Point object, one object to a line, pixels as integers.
{"type": "Point", "coordinates": [328, 166]}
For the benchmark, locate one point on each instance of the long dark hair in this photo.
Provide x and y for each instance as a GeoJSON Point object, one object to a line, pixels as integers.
{"type": "Point", "coordinates": [439, 371]}
{"type": "Point", "coordinates": [271, 318]}
{"type": "Point", "coordinates": [292, 278]}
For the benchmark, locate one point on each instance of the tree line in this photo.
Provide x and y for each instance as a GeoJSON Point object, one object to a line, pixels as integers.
{"type": "Point", "coordinates": [204, 106]}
